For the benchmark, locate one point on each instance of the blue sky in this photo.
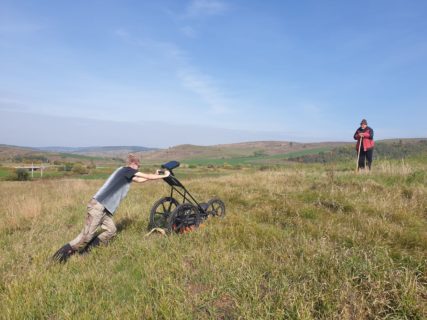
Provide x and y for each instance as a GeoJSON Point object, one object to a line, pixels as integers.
{"type": "Point", "coordinates": [162, 73]}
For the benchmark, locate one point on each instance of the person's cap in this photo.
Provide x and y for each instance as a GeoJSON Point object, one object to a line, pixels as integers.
{"type": "Point", "coordinates": [364, 122]}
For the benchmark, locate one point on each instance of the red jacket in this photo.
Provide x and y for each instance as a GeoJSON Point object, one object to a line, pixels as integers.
{"type": "Point", "coordinates": [368, 138]}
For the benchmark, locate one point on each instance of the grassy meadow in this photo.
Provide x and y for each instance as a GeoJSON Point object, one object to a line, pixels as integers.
{"type": "Point", "coordinates": [254, 159]}
{"type": "Point", "coordinates": [297, 242]}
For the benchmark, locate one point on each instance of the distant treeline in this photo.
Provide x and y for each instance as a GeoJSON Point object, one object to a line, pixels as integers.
{"type": "Point", "coordinates": [398, 149]}
{"type": "Point", "coordinates": [30, 158]}
{"type": "Point", "coordinates": [65, 159]}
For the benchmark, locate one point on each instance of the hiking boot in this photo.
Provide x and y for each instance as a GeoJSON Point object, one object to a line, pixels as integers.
{"type": "Point", "coordinates": [92, 244]}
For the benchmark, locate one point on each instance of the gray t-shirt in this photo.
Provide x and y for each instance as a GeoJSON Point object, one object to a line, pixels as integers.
{"type": "Point", "coordinates": [115, 188]}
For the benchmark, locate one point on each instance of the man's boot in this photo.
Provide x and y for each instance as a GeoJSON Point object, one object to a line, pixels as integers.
{"type": "Point", "coordinates": [92, 244]}
{"type": "Point", "coordinates": [64, 253]}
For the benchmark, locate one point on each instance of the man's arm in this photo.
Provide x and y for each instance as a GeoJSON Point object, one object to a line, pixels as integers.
{"type": "Point", "coordinates": [142, 177]}
{"type": "Point", "coordinates": [356, 135]}
{"type": "Point", "coordinates": [140, 180]}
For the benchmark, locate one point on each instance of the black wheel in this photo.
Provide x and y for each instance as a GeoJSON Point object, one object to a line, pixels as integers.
{"type": "Point", "coordinates": [216, 207]}
{"type": "Point", "coordinates": [184, 218]}
{"type": "Point", "coordinates": [161, 211]}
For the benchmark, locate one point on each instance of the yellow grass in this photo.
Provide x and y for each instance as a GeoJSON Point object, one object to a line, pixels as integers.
{"type": "Point", "coordinates": [307, 242]}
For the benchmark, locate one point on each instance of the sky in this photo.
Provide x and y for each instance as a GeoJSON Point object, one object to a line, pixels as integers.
{"type": "Point", "coordinates": [163, 73]}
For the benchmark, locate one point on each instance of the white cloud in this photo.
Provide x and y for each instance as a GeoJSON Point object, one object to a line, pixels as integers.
{"type": "Point", "coordinates": [16, 28]}
{"type": "Point", "coordinates": [38, 129]}
{"type": "Point", "coordinates": [10, 100]}
{"type": "Point", "coordinates": [206, 7]}
{"type": "Point", "coordinates": [188, 32]}
{"type": "Point", "coordinates": [121, 33]}
{"type": "Point", "coordinates": [203, 85]}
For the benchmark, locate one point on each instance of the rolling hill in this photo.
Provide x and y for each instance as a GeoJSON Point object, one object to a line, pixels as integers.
{"type": "Point", "coordinates": [236, 150]}
{"type": "Point", "coordinates": [180, 152]}
{"type": "Point", "coordinates": [49, 154]}
{"type": "Point", "coordinates": [26, 154]}
{"type": "Point", "coordinates": [99, 151]}
{"type": "Point", "coordinates": [255, 152]}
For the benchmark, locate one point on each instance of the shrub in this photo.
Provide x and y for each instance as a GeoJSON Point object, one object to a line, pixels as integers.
{"type": "Point", "coordinates": [92, 165]}
{"type": "Point", "coordinates": [21, 174]}
{"type": "Point", "coordinates": [80, 169]}
{"type": "Point", "coordinates": [259, 153]}
{"type": "Point", "coordinates": [227, 166]}
{"type": "Point", "coordinates": [68, 166]}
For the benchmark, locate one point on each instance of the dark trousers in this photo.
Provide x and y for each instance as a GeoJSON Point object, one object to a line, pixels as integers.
{"type": "Point", "coordinates": [365, 158]}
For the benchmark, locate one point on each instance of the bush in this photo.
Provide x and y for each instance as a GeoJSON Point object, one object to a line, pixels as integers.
{"type": "Point", "coordinates": [21, 175]}
{"type": "Point", "coordinates": [227, 166]}
{"type": "Point", "coordinates": [259, 153]}
{"type": "Point", "coordinates": [92, 165]}
{"type": "Point", "coordinates": [68, 166]}
{"type": "Point", "coordinates": [80, 169]}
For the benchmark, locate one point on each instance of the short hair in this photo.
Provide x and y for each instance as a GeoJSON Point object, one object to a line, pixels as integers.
{"type": "Point", "coordinates": [131, 158]}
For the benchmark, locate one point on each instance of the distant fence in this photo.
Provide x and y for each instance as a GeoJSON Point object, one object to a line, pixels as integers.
{"type": "Point", "coordinates": [33, 168]}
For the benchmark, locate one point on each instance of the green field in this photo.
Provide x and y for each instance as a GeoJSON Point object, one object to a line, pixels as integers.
{"type": "Point", "coordinates": [260, 159]}
{"type": "Point", "coordinates": [297, 242]}
{"type": "Point", "coordinates": [4, 172]}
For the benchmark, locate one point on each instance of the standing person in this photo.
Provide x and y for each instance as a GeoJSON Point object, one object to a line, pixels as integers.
{"type": "Point", "coordinates": [101, 208]}
{"type": "Point", "coordinates": [365, 136]}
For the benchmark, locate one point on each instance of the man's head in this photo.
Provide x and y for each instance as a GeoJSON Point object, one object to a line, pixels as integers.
{"type": "Point", "coordinates": [132, 161]}
{"type": "Point", "coordinates": [364, 123]}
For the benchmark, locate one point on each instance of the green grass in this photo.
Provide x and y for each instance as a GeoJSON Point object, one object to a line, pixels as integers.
{"type": "Point", "coordinates": [4, 172]}
{"type": "Point", "coordinates": [297, 242]}
{"type": "Point", "coordinates": [260, 159]}
{"type": "Point", "coordinates": [73, 156]}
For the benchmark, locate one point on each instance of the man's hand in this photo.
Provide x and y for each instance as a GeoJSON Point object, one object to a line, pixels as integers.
{"type": "Point", "coordinates": [164, 173]}
{"type": "Point", "coordinates": [361, 134]}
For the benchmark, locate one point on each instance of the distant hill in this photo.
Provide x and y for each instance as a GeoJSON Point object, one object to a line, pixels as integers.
{"type": "Point", "coordinates": [99, 151]}
{"type": "Point", "coordinates": [230, 151]}
{"type": "Point", "coordinates": [257, 152]}
{"type": "Point", "coordinates": [18, 154]}
{"type": "Point", "coordinates": [8, 151]}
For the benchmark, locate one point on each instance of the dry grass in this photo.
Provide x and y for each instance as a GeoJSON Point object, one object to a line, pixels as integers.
{"type": "Point", "coordinates": [306, 242]}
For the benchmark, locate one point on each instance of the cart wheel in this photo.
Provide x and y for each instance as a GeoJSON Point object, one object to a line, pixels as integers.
{"type": "Point", "coordinates": [161, 211]}
{"type": "Point", "coordinates": [216, 207]}
{"type": "Point", "coordinates": [185, 216]}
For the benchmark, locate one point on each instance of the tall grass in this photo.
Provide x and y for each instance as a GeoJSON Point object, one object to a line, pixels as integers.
{"type": "Point", "coordinates": [306, 242]}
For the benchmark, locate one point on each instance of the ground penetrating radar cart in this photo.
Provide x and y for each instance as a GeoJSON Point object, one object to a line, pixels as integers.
{"type": "Point", "coordinates": [168, 213]}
